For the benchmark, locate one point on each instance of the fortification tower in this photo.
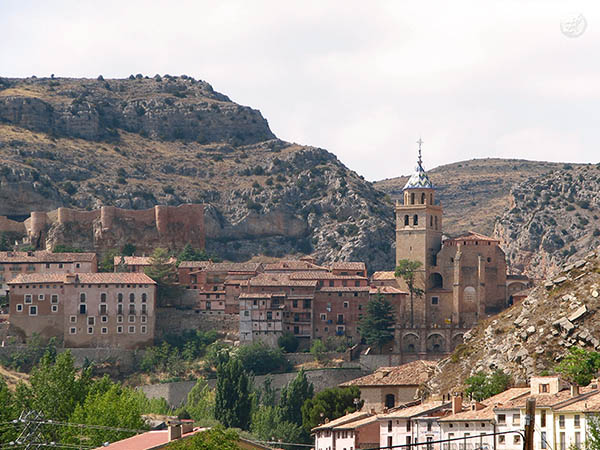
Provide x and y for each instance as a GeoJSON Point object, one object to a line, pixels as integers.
{"type": "Point", "coordinates": [419, 221]}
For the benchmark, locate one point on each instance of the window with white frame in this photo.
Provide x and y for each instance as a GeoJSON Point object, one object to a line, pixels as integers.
{"type": "Point", "coordinates": [82, 297]}
{"type": "Point", "coordinates": [144, 319]}
{"type": "Point", "coordinates": [91, 320]}
{"type": "Point", "coordinates": [28, 298]}
{"type": "Point", "coordinates": [54, 298]}
{"type": "Point", "coordinates": [104, 319]}
{"type": "Point", "coordinates": [131, 319]}
{"type": "Point", "coordinates": [90, 330]}
{"type": "Point", "coordinates": [33, 310]}
{"type": "Point", "coordinates": [72, 330]}
{"type": "Point", "coordinates": [41, 297]}
{"type": "Point", "coordinates": [119, 319]}
{"type": "Point", "coordinates": [104, 330]}
{"type": "Point", "coordinates": [54, 308]}
{"type": "Point", "coordinates": [131, 329]}
{"type": "Point", "coordinates": [143, 329]}
{"type": "Point", "coordinates": [119, 329]}
{"type": "Point", "coordinates": [19, 307]}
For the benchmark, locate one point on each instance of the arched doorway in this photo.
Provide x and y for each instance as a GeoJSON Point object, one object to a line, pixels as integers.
{"type": "Point", "coordinates": [436, 343]}
{"type": "Point", "coordinates": [436, 281]}
{"type": "Point", "coordinates": [410, 343]}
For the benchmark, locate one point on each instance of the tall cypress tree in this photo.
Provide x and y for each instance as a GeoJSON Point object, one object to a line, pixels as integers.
{"type": "Point", "coordinates": [233, 403]}
{"type": "Point", "coordinates": [377, 326]}
{"type": "Point", "coordinates": [293, 397]}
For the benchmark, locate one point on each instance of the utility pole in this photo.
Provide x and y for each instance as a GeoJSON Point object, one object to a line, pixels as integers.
{"type": "Point", "coordinates": [529, 424]}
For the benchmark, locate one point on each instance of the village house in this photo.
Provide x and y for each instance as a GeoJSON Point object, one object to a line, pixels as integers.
{"type": "Point", "coordinates": [15, 263]}
{"type": "Point", "coordinates": [389, 387]}
{"type": "Point", "coordinates": [352, 431]}
{"type": "Point", "coordinates": [84, 309]}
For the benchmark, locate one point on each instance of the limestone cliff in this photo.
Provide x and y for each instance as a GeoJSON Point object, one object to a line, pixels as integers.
{"type": "Point", "coordinates": [140, 142]}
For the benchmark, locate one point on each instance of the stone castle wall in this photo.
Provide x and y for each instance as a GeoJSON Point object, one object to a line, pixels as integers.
{"type": "Point", "coordinates": [11, 226]}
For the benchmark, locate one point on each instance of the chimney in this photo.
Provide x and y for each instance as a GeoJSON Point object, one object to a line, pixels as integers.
{"type": "Point", "coordinates": [187, 426]}
{"type": "Point", "coordinates": [456, 404]}
{"type": "Point", "coordinates": [174, 432]}
{"type": "Point", "coordinates": [574, 390]}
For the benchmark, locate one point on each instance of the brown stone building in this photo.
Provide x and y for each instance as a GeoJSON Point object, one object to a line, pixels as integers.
{"type": "Point", "coordinates": [84, 309]}
{"type": "Point", "coordinates": [464, 278]}
{"type": "Point", "coordinates": [15, 263]}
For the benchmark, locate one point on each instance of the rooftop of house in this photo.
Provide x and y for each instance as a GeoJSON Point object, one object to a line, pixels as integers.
{"type": "Point", "coordinates": [291, 265]}
{"type": "Point", "coordinates": [320, 275]}
{"type": "Point", "coordinates": [474, 414]}
{"type": "Point", "coordinates": [132, 260]}
{"type": "Point", "coordinates": [356, 423]}
{"type": "Point", "coordinates": [588, 404]}
{"type": "Point", "coordinates": [279, 279]}
{"type": "Point", "coordinates": [357, 415]}
{"type": "Point", "coordinates": [226, 266]}
{"type": "Point", "coordinates": [348, 265]}
{"type": "Point", "coordinates": [83, 278]}
{"type": "Point", "coordinates": [414, 411]}
{"type": "Point", "coordinates": [387, 290]}
{"type": "Point", "coordinates": [43, 256]}
{"type": "Point", "coordinates": [344, 289]}
{"type": "Point", "coordinates": [411, 374]}
{"type": "Point", "coordinates": [472, 236]}
{"type": "Point", "coordinates": [147, 441]}
{"type": "Point", "coordinates": [562, 398]}
{"type": "Point", "coordinates": [383, 275]}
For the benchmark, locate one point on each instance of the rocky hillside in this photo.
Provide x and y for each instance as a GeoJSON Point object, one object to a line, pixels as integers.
{"type": "Point", "coordinates": [143, 141]}
{"type": "Point", "coordinates": [532, 336]}
{"type": "Point", "coordinates": [552, 219]}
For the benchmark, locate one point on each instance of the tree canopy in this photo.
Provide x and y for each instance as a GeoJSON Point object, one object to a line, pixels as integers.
{"type": "Point", "coordinates": [481, 385]}
{"type": "Point", "coordinates": [579, 366]}
{"type": "Point", "coordinates": [233, 404]}
{"type": "Point", "coordinates": [331, 404]}
{"type": "Point", "coordinates": [377, 326]}
{"type": "Point", "coordinates": [407, 270]}
{"type": "Point", "coordinates": [163, 270]}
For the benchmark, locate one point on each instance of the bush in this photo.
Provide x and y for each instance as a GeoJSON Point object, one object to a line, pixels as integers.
{"type": "Point", "coordinates": [288, 342]}
{"type": "Point", "coordinates": [261, 359]}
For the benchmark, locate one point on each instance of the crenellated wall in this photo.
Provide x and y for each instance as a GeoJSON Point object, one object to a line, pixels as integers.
{"type": "Point", "coordinates": [110, 227]}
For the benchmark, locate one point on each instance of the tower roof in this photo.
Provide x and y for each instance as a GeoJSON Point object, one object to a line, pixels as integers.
{"type": "Point", "coordinates": [419, 178]}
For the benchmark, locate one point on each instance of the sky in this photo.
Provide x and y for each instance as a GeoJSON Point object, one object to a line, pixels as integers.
{"type": "Point", "coordinates": [362, 79]}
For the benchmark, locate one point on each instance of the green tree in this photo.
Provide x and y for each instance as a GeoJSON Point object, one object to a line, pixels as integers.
{"type": "Point", "coordinates": [288, 342]}
{"type": "Point", "coordinates": [190, 253]}
{"type": "Point", "coordinates": [481, 385]}
{"type": "Point", "coordinates": [293, 397]}
{"type": "Point", "coordinates": [318, 350]}
{"type": "Point", "coordinates": [232, 400]}
{"type": "Point", "coordinates": [128, 249]}
{"type": "Point", "coordinates": [117, 407]}
{"type": "Point", "coordinates": [268, 425]}
{"type": "Point", "coordinates": [216, 438]}
{"type": "Point", "coordinates": [5, 243]}
{"type": "Point", "coordinates": [408, 269]}
{"type": "Point", "coordinates": [592, 439]}
{"type": "Point", "coordinates": [579, 366]}
{"type": "Point", "coordinates": [201, 404]}
{"type": "Point", "coordinates": [329, 404]}
{"type": "Point", "coordinates": [8, 412]}
{"type": "Point", "coordinates": [107, 263]}
{"type": "Point", "coordinates": [163, 270]}
{"type": "Point", "coordinates": [259, 359]}
{"type": "Point", "coordinates": [377, 326]}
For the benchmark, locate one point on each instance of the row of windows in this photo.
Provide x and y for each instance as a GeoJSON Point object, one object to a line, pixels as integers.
{"type": "Point", "coordinates": [33, 309]}
{"type": "Point", "coordinates": [104, 330]}
{"type": "Point", "coordinates": [91, 320]}
{"type": "Point", "coordinates": [104, 296]}
{"type": "Point", "coordinates": [433, 221]}
{"type": "Point", "coordinates": [103, 309]}
{"type": "Point", "coordinates": [31, 267]}
{"type": "Point", "coordinates": [41, 298]}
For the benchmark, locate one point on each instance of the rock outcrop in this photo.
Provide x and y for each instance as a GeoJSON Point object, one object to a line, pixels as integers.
{"type": "Point", "coordinates": [534, 335]}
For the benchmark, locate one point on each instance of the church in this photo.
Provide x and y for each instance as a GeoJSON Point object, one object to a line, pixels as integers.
{"type": "Point", "coordinates": [463, 279]}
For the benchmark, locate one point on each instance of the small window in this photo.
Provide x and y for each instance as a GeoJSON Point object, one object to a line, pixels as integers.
{"type": "Point", "coordinates": [104, 330]}
{"type": "Point", "coordinates": [91, 320]}
{"type": "Point", "coordinates": [104, 319]}
{"type": "Point", "coordinates": [33, 310]}
{"type": "Point", "coordinates": [119, 329]}
{"type": "Point", "coordinates": [82, 297]}
{"type": "Point", "coordinates": [544, 388]}
{"type": "Point", "coordinates": [131, 298]}
{"type": "Point", "coordinates": [516, 419]}
{"type": "Point", "coordinates": [144, 298]}
{"type": "Point", "coordinates": [416, 219]}
{"type": "Point", "coordinates": [41, 297]}
{"type": "Point", "coordinates": [131, 329]}
{"type": "Point", "coordinates": [54, 298]}
{"type": "Point", "coordinates": [544, 440]}
{"type": "Point", "coordinates": [323, 316]}
{"type": "Point", "coordinates": [143, 319]}
{"type": "Point", "coordinates": [516, 439]}
{"type": "Point", "coordinates": [119, 319]}
{"type": "Point", "coordinates": [561, 421]}
{"type": "Point", "coordinates": [143, 329]}
{"type": "Point", "coordinates": [19, 307]}
{"type": "Point", "coordinates": [435, 300]}
{"type": "Point", "coordinates": [90, 330]}
{"type": "Point", "coordinates": [73, 319]}
{"type": "Point", "coordinates": [346, 304]}
{"type": "Point", "coordinates": [501, 439]}
{"type": "Point", "coordinates": [502, 419]}
{"type": "Point", "coordinates": [72, 330]}
{"type": "Point", "coordinates": [28, 298]}
{"type": "Point", "coordinates": [120, 297]}
{"type": "Point", "coordinates": [577, 421]}
{"type": "Point", "coordinates": [103, 297]}
{"type": "Point", "coordinates": [131, 319]}
{"type": "Point", "coordinates": [54, 308]}
{"type": "Point", "coordinates": [77, 265]}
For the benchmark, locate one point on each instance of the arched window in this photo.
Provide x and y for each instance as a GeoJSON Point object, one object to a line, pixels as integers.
{"type": "Point", "coordinates": [406, 220]}
{"type": "Point", "coordinates": [131, 297]}
{"type": "Point", "coordinates": [390, 400]}
{"type": "Point", "coordinates": [412, 198]}
{"type": "Point", "coordinates": [103, 297]}
{"type": "Point", "coordinates": [423, 198]}
{"type": "Point", "coordinates": [82, 297]}
{"type": "Point", "coordinates": [436, 281]}
{"type": "Point", "coordinates": [416, 219]}
{"type": "Point", "coordinates": [144, 298]}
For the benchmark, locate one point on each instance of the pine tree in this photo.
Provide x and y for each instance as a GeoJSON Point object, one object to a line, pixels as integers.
{"type": "Point", "coordinates": [377, 326]}
{"type": "Point", "coordinates": [233, 404]}
{"type": "Point", "coordinates": [163, 270]}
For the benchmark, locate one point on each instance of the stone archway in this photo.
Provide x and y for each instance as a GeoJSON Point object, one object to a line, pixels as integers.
{"type": "Point", "coordinates": [410, 343]}
{"type": "Point", "coordinates": [436, 343]}
{"type": "Point", "coordinates": [436, 281]}
{"type": "Point", "coordinates": [457, 339]}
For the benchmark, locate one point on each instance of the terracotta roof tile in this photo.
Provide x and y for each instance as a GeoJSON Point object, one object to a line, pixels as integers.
{"type": "Point", "coordinates": [486, 413]}
{"type": "Point", "coordinates": [411, 374]}
{"type": "Point", "coordinates": [194, 264]}
{"type": "Point", "coordinates": [473, 236]}
{"type": "Point", "coordinates": [44, 257]}
{"type": "Point", "coordinates": [320, 275]}
{"type": "Point", "coordinates": [382, 275]}
{"type": "Point", "coordinates": [349, 265]}
{"type": "Point", "coordinates": [413, 411]}
{"type": "Point", "coordinates": [84, 278]}
{"type": "Point", "coordinates": [132, 260]}
{"type": "Point", "coordinates": [146, 441]}
{"type": "Point", "coordinates": [387, 290]}
{"type": "Point", "coordinates": [357, 415]}
{"type": "Point", "coordinates": [279, 279]}
{"type": "Point", "coordinates": [356, 423]}
{"type": "Point", "coordinates": [344, 289]}
{"type": "Point", "coordinates": [291, 265]}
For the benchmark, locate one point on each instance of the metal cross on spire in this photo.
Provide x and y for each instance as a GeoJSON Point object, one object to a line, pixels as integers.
{"type": "Point", "coordinates": [420, 141]}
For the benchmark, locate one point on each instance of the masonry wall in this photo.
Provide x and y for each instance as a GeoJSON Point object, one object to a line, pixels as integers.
{"type": "Point", "coordinates": [173, 320]}
{"type": "Point", "coordinates": [11, 226]}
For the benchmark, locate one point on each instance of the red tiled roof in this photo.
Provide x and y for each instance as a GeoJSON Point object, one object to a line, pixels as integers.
{"type": "Point", "coordinates": [473, 236]}
{"type": "Point", "coordinates": [319, 275]}
{"type": "Point", "coordinates": [412, 374]}
{"type": "Point", "coordinates": [344, 289]}
{"type": "Point", "coordinates": [147, 441]}
{"type": "Point", "coordinates": [84, 278]}
{"type": "Point", "coordinates": [413, 411]}
{"type": "Point", "coordinates": [356, 424]}
{"type": "Point", "coordinates": [383, 275]}
{"type": "Point", "coordinates": [547, 400]}
{"type": "Point", "coordinates": [290, 265]}
{"type": "Point", "coordinates": [194, 264]}
{"type": "Point", "coordinates": [486, 413]}
{"type": "Point", "coordinates": [349, 265]}
{"type": "Point", "coordinates": [387, 290]}
{"type": "Point", "coordinates": [43, 256]}
{"type": "Point", "coordinates": [132, 260]}
{"type": "Point", "coordinates": [357, 415]}
{"type": "Point", "coordinates": [279, 279]}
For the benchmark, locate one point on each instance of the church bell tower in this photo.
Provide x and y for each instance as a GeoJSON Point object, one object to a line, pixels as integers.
{"type": "Point", "coordinates": [419, 221]}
